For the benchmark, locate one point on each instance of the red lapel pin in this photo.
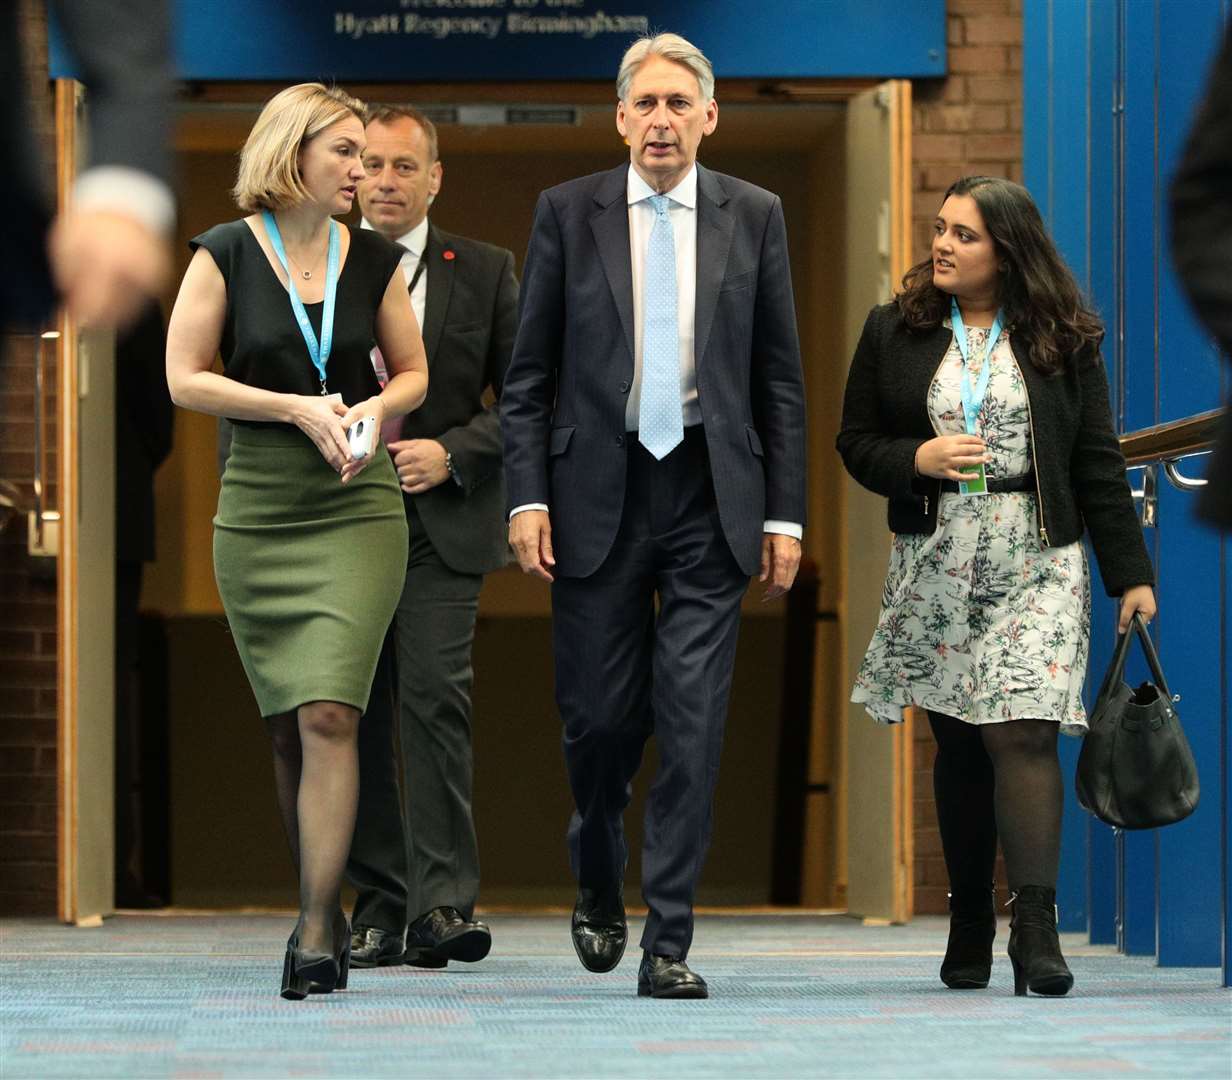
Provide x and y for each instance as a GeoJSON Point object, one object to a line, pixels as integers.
{"type": "Point", "coordinates": [448, 255]}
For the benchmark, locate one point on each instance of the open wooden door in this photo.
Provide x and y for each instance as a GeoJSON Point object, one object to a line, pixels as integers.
{"type": "Point", "coordinates": [85, 576]}
{"type": "Point", "coordinates": [877, 760]}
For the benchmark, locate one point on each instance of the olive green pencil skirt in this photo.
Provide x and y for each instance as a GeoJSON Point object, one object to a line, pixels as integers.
{"type": "Point", "coordinates": [309, 569]}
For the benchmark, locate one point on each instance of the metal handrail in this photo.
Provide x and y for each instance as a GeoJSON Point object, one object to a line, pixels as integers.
{"type": "Point", "coordinates": [1172, 441]}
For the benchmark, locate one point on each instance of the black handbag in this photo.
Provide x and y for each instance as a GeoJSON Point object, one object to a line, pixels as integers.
{"type": "Point", "coordinates": [1136, 770]}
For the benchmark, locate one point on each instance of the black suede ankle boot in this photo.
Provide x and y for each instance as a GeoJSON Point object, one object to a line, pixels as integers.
{"type": "Point", "coordinates": [1034, 948]}
{"type": "Point", "coordinates": [968, 953]}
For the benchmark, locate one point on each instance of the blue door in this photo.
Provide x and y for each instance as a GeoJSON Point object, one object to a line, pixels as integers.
{"type": "Point", "coordinates": [1110, 87]}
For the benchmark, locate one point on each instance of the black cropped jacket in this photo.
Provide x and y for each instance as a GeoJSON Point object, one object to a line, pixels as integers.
{"type": "Point", "coordinates": [1079, 469]}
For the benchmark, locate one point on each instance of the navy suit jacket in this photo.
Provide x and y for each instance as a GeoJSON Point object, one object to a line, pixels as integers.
{"type": "Point", "coordinates": [563, 403]}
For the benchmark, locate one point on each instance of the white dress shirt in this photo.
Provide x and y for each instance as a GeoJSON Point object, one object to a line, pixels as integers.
{"type": "Point", "coordinates": [415, 241]}
{"type": "Point", "coordinates": [682, 212]}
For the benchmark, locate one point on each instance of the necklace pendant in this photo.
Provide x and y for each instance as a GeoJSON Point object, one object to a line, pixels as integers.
{"type": "Point", "coordinates": [307, 274]}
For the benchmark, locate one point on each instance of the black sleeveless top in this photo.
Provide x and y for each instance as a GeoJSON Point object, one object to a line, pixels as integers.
{"type": "Point", "coordinates": [261, 341]}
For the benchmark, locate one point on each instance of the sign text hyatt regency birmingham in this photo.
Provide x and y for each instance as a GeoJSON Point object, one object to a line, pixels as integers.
{"type": "Point", "coordinates": [503, 16]}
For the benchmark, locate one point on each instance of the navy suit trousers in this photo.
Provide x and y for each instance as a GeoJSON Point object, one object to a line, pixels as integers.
{"type": "Point", "coordinates": [625, 670]}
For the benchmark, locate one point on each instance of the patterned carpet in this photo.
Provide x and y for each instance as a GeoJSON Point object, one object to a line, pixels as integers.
{"type": "Point", "coordinates": [793, 996]}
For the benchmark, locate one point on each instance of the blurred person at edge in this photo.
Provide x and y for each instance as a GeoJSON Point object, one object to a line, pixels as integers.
{"type": "Point", "coordinates": [310, 541]}
{"type": "Point", "coordinates": [108, 253]}
{"type": "Point", "coordinates": [987, 365]}
{"type": "Point", "coordinates": [1202, 248]}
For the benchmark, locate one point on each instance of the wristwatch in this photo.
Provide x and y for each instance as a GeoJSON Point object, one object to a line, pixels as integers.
{"type": "Point", "coordinates": [449, 468]}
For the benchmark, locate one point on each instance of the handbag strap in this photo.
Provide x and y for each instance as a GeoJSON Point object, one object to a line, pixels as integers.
{"type": "Point", "coordinates": [1116, 669]}
{"type": "Point", "coordinates": [1152, 657]}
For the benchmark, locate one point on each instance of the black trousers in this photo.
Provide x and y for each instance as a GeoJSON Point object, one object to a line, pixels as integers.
{"type": "Point", "coordinates": [625, 670]}
{"type": "Point", "coordinates": [416, 849]}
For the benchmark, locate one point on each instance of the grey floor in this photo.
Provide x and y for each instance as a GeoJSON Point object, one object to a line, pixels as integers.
{"type": "Point", "coordinates": [792, 996]}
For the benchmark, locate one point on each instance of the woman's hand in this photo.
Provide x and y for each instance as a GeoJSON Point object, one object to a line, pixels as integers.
{"type": "Point", "coordinates": [318, 418]}
{"type": "Point", "coordinates": [1139, 598]}
{"type": "Point", "coordinates": [374, 406]}
{"type": "Point", "coordinates": [942, 457]}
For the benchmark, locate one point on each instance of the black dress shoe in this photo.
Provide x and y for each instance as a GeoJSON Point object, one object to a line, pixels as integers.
{"type": "Point", "coordinates": [599, 928]}
{"type": "Point", "coordinates": [667, 977]}
{"type": "Point", "coordinates": [442, 935]}
{"type": "Point", "coordinates": [373, 947]}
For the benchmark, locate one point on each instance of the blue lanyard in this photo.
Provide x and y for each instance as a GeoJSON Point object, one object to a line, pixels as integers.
{"type": "Point", "coordinates": [318, 353]}
{"type": "Point", "coordinates": [972, 401]}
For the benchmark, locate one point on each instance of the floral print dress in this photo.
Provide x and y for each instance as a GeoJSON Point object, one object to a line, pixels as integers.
{"type": "Point", "coordinates": [978, 620]}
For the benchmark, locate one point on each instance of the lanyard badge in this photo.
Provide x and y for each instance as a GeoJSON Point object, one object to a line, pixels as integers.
{"type": "Point", "coordinates": [973, 400]}
{"type": "Point", "coordinates": [317, 352]}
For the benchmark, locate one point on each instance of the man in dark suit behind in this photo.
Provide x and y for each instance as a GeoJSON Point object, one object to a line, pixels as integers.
{"type": "Point", "coordinates": [414, 859]}
{"type": "Point", "coordinates": [653, 418]}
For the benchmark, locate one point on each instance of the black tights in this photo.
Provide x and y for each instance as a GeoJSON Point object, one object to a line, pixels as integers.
{"type": "Point", "coordinates": [316, 773]}
{"type": "Point", "coordinates": [997, 780]}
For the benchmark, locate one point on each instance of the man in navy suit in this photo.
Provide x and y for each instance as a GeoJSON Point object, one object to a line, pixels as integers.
{"type": "Point", "coordinates": [653, 420]}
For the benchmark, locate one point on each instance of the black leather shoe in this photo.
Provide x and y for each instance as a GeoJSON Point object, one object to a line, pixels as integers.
{"type": "Point", "coordinates": [372, 947]}
{"type": "Point", "coordinates": [667, 977]}
{"type": "Point", "coordinates": [442, 935]}
{"type": "Point", "coordinates": [599, 928]}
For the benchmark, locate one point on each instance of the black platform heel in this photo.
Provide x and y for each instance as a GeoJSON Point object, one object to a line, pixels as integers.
{"type": "Point", "coordinates": [968, 952]}
{"type": "Point", "coordinates": [307, 972]}
{"type": "Point", "coordinates": [342, 948]}
{"type": "Point", "coordinates": [342, 953]}
{"type": "Point", "coordinates": [1035, 948]}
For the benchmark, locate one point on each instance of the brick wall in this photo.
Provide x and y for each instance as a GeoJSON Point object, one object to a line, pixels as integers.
{"type": "Point", "coordinates": [967, 123]}
{"type": "Point", "coordinates": [27, 604]}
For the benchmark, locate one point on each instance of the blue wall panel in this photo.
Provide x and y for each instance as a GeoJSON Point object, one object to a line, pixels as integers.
{"type": "Point", "coordinates": [1188, 639]}
{"type": "Point", "coordinates": [1140, 201]}
{"type": "Point", "coordinates": [1103, 132]}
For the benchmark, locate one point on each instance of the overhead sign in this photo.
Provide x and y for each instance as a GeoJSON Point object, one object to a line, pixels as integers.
{"type": "Point", "coordinates": [516, 40]}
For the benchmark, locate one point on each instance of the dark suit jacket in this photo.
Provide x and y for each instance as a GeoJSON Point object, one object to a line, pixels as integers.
{"type": "Point", "coordinates": [470, 318]}
{"type": "Point", "coordinates": [563, 406]}
{"type": "Point", "coordinates": [1202, 247]}
{"type": "Point", "coordinates": [123, 53]}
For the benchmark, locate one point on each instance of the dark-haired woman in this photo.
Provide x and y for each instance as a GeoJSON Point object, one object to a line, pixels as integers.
{"type": "Point", "coordinates": [978, 404]}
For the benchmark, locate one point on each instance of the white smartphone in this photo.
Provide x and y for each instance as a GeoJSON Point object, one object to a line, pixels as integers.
{"type": "Point", "coordinates": [361, 436]}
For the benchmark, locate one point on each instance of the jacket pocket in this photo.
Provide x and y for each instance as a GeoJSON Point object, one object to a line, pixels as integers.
{"type": "Point", "coordinates": [738, 281]}
{"type": "Point", "coordinates": [558, 441]}
{"type": "Point", "coordinates": [754, 441]}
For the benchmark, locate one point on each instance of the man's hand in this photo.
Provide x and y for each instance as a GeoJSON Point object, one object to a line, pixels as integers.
{"type": "Point", "coordinates": [107, 266]}
{"type": "Point", "coordinates": [530, 536]}
{"type": "Point", "coordinates": [420, 464]}
{"type": "Point", "coordinates": [780, 559]}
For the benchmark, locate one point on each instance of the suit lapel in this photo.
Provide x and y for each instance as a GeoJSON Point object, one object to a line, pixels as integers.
{"type": "Point", "coordinates": [440, 285]}
{"type": "Point", "coordinates": [714, 236]}
{"type": "Point", "coordinates": [610, 225]}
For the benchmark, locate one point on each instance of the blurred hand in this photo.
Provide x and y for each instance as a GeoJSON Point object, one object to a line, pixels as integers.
{"type": "Point", "coordinates": [530, 536]}
{"type": "Point", "coordinates": [780, 559]}
{"type": "Point", "coordinates": [942, 457]}
{"type": "Point", "coordinates": [107, 266]}
{"type": "Point", "coordinates": [420, 464]}
{"type": "Point", "coordinates": [1139, 598]}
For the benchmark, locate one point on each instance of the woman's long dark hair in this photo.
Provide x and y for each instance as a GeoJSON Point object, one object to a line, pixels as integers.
{"type": "Point", "coordinates": [1040, 298]}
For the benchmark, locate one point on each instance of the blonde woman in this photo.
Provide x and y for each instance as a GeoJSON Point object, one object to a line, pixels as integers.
{"type": "Point", "coordinates": [310, 542]}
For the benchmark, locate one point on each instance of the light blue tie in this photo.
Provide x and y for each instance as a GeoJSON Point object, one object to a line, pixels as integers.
{"type": "Point", "coordinates": [660, 418]}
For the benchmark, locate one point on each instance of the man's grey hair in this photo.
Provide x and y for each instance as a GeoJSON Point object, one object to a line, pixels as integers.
{"type": "Point", "coordinates": [670, 47]}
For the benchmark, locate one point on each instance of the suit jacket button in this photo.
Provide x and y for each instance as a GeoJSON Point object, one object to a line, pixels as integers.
{"type": "Point", "coordinates": [620, 440]}
{"type": "Point", "coordinates": [624, 387]}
